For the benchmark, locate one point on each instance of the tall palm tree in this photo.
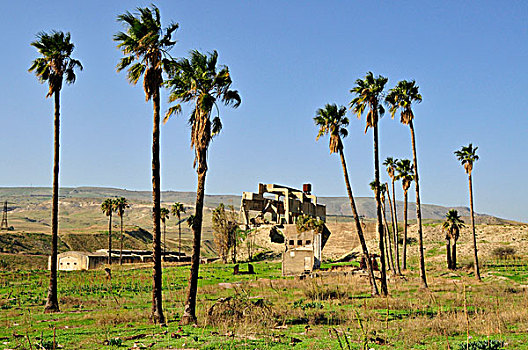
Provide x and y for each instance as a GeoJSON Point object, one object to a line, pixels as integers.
{"type": "Point", "coordinates": [467, 155]}
{"type": "Point", "coordinates": [177, 209]}
{"type": "Point", "coordinates": [405, 173]}
{"type": "Point", "coordinates": [164, 215]}
{"type": "Point", "coordinates": [199, 80]}
{"type": "Point", "coordinates": [390, 163]}
{"type": "Point", "coordinates": [452, 226]}
{"type": "Point", "coordinates": [121, 204]}
{"type": "Point", "coordinates": [369, 93]}
{"type": "Point", "coordinates": [145, 46]}
{"type": "Point", "coordinates": [53, 67]}
{"type": "Point", "coordinates": [108, 208]}
{"type": "Point", "coordinates": [402, 98]}
{"type": "Point", "coordinates": [331, 120]}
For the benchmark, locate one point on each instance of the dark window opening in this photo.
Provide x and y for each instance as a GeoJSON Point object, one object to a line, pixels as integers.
{"type": "Point", "coordinates": [308, 242]}
{"type": "Point", "coordinates": [291, 242]}
{"type": "Point", "coordinates": [299, 242]}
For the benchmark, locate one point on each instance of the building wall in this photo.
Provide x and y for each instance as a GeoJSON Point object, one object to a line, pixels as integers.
{"type": "Point", "coordinates": [296, 261]}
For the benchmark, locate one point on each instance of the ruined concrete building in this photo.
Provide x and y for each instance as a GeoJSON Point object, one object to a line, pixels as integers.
{"type": "Point", "coordinates": [284, 204]}
{"type": "Point", "coordinates": [281, 206]}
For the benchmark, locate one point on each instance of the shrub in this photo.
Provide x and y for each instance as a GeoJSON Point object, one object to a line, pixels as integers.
{"type": "Point", "coordinates": [490, 344]}
{"type": "Point", "coordinates": [503, 252]}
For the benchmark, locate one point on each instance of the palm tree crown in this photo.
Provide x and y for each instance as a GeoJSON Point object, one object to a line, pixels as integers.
{"type": "Point", "coordinates": [146, 47]}
{"type": "Point", "coordinates": [402, 96]}
{"type": "Point", "coordinates": [390, 163]}
{"type": "Point", "coordinates": [107, 206]}
{"type": "Point", "coordinates": [467, 155]}
{"type": "Point", "coordinates": [199, 79]}
{"type": "Point", "coordinates": [405, 173]}
{"type": "Point", "coordinates": [120, 205]}
{"type": "Point", "coordinates": [177, 208]}
{"type": "Point", "coordinates": [369, 92]}
{"type": "Point", "coordinates": [331, 120]}
{"type": "Point", "coordinates": [453, 224]}
{"type": "Point", "coordinates": [164, 214]}
{"type": "Point", "coordinates": [55, 63]}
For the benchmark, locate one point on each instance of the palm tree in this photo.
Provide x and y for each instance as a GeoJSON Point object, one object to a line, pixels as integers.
{"type": "Point", "coordinates": [199, 80]}
{"type": "Point", "coordinates": [452, 226]}
{"type": "Point", "coordinates": [331, 120]}
{"type": "Point", "coordinates": [177, 209]}
{"type": "Point", "coordinates": [467, 155]}
{"type": "Point", "coordinates": [388, 240]}
{"type": "Point", "coordinates": [53, 67]}
{"type": "Point", "coordinates": [164, 215]}
{"type": "Point", "coordinates": [390, 163]}
{"type": "Point", "coordinates": [108, 208]}
{"type": "Point", "coordinates": [145, 46]}
{"type": "Point", "coordinates": [402, 97]}
{"type": "Point", "coordinates": [368, 93]}
{"type": "Point", "coordinates": [405, 173]}
{"type": "Point", "coordinates": [121, 204]}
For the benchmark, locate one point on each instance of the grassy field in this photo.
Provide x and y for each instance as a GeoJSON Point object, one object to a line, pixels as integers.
{"type": "Point", "coordinates": [267, 311]}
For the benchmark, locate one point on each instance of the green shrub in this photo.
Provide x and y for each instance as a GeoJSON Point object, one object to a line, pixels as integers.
{"type": "Point", "coordinates": [490, 344]}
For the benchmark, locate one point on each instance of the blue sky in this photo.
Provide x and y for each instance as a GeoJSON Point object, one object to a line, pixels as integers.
{"type": "Point", "coordinates": [287, 58]}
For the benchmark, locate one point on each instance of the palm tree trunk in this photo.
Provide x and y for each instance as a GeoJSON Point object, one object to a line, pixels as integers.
{"type": "Point", "coordinates": [121, 247]}
{"type": "Point", "coordinates": [418, 208]}
{"type": "Point", "coordinates": [110, 238]}
{"type": "Point", "coordinates": [448, 252]}
{"type": "Point", "coordinates": [477, 270]}
{"type": "Point", "coordinates": [453, 255]}
{"type": "Point", "coordinates": [359, 229]}
{"type": "Point", "coordinates": [189, 313]}
{"type": "Point", "coordinates": [383, 271]}
{"type": "Point", "coordinates": [395, 233]}
{"type": "Point", "coordinates": [405, 231]}
{"type": "Point", "coordinates": [388, 245]}
{"type": "Point", "coordinates": [179, 237]}
{"type": "Point", "coordinates": [52, 303]}
{"type": "Point", "coordinates": [157, 307]}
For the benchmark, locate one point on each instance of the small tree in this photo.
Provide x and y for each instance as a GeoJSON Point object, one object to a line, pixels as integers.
{"type": "Point", "coordinates": [452, 226]}
{"type": "Point", "coordinates": [164, 216]}
{"type": "Point", "coordinates": [177, 209]}
{"type": "Point", "coordinates": [225, 231]}
{"type": "Point", "coordinates": [121, 204]}
{"type": "Point", "coordinates": [108, 208]}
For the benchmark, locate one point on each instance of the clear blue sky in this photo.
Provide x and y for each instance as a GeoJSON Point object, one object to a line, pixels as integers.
{"type": "Point", "coordinates": [287, 58]}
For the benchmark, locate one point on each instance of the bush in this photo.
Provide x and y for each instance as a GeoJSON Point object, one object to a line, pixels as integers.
{"type": "Point", "coordinates": [503, 252]}
{"type": "Point", "coordinates": [490, 344]}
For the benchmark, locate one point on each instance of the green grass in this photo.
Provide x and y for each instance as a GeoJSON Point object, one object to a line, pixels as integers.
{"type": "Point", "coordinates": [261, 311]}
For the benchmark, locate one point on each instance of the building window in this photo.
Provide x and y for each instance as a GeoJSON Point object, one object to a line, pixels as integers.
{"type": "Point", "coordinates": [308, 242]}
{"type": "Point", "coordinates": [291, 242]}
{"type": "Point", "coordinates": [299, 242]}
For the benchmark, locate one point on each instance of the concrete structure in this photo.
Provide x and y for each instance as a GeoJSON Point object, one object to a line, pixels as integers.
{"type": "Point", "coordinates": [284, 204]}
{"type": "Point", "coordinates": [75, 260]}
{"type": "Point", "coordinates": [303, 250]}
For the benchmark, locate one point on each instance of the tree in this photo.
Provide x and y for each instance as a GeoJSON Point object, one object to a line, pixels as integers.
{"type": "Point", "coordinates": [467, 155]}
{"type": "Point", "coordinates": [145, 46]}
{"type": "Point", "coordinates": [53, 67]}
{"type": "Point", "coordinates": [332, 121]}
{"type": "Point", "coordinates": [452, 226]}
{"type": "Point", "coordinates": [402, 98]}
{"type": "Point", "coordinates": [108, 208]}
{"type": "Point", "coordinates": [388, 240]}
{"type": "Point", "coordinates": [225, 231]}
{"type": "Point", "coordinates": [121, 204]}
{"type": "Point", "coordinates": [405, 174]}
{"type": "Point", "coordinates": [390, 163]}
{"type": "Point", "coordinates": [199, 80]}
{"type": "Point", "coordinates": [164, 215]}
{"type": "Point", "coordinates": [368, 94]}
{"type": "Point", "coordinates": [177, 209]}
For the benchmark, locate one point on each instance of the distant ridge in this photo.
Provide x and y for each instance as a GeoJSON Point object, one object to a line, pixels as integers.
{"type": "Point", "coordinates": [338, 206]}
